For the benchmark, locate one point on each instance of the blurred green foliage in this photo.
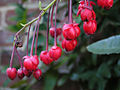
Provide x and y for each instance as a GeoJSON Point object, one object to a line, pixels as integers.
{"type": "Point", "coordinates": [89, 71]}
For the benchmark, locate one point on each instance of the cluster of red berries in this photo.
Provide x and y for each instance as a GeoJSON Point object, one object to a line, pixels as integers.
{"type": "Point", "coordinates": [28, 67]}
{"type": "Point", "coordinates": [12, 73]}
{"type": "Point", "coordinates": [69, 31]}
{"type": "Point", "coordinates": [55, 52]}
{"type": "Point", "coordinates": [88, 16]}
{"type": "Point", "coordinates": [53, 55]}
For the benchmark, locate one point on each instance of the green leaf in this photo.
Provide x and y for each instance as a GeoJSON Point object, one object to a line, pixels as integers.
{"type": "Point", "coordinates": [18, 84]}
{"type": "Point", "coordinates": [50, 81]}
{"type": "Point", "coordinates": [104, 71]}
{"type": "Point", "coordinates": [87, 75]}
{"type": "Point", "coordinates": [6, 82]}
{"type": "Point", "coordinates": [75, 76]}
{"type": "Point", "coordinates": [62, 80]}
{"type": "Point", "coordinates": [107, 46]}
{"type": "Point", "coordinates": [102, 84]}
{"type": "Point", "coordinates": [40, 5]}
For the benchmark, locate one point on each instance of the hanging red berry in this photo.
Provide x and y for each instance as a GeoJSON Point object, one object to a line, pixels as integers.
{"type": "Point", "coordinates": [55, 52]}
{"type": "Point", "coordinates": [105, 3]}
{"type": "Point", "coordinates": [45, 58]}
{"type": "Point", "coordinates": [20, 73]}
{"type": "Point", "coordinates": [87, 15]}
{"type": "Point", "coordinates": [90, 27]}
{"type": "Point", "coordinates": [71, 31]}
{"type": "Point", "coordinates": [69, 45]}
{"type": "Point", "coordinates": [58, 31]}
{"type": "Point", "coordinates": [11, 72]}
{"type": "Point", "coordinates": [37, 74]}
{"type": "Point", "coordinates": [27, 72]}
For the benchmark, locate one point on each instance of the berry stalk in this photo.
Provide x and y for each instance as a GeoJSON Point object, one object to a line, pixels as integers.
{"type": "Point", "coordinates": [52, 25]}
{"type": "Point", "coordinates": [19, 58]}
{"type": "Point", "coordinates": [28, 39]}
{"type": "Point", "coordinates": [37, 38]}
{"type": "Point", "coordinates": [32, 46]}
{"type": "Point", "coordinates": [55, 40]}
{"type": "Point", "coordinates": [13, 52]}
{"type": "Point", "coordinates": [70, 12]}
{"type": "Point", "coordinates": [88, 2]}
{"type": "Point", "coordinates": [85, 2]}
{"type": "Point", "coordinates": [47, 34]}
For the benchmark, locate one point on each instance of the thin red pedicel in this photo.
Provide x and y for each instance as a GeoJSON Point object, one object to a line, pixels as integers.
{"type": "Point", "coordinates": [28, 40]}
{"type": "Point", "coordinates": [47, 34]}
{"type": "Point", "coordinates": [70, 13]}
{"type": "Point", "coordinates": [52, 25]}
{"type": "Point", "coordinates": [11, 61]}
{"type": "Point", "coordinates": [37, 38]}
{"type": "Point", "coordinates": [19, 58]}
{"type": "Point", "coordinates": [32, 46]}
{"type": "Point", "coordinates": [55, 40]}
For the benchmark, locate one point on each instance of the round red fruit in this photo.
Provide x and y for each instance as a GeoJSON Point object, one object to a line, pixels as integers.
{"type": "Point", "coordinates": [82, 6]}
{"type": "Point", "coordinates": [87, 15]}
{"type": "Point", "coordinates": [55, 52]}
{"type": "Point", "coordinates": [11, 72]}
{"type": "Point", "coordinates": [27, 72]}
{"type": "Point", "coordinates": [37, 74]}
{"type": "Point", "coordinates": [58, 31]}
{"type": "Point", "coordinates": [35, 60]}
{"type": "Point", "coordinates": [69, 45]}
{"type": "Point", "coordinates": [77, 29]}
{"type": "Point", "coordinates": [69, 31]}
{"type": "Point", "coordinates": [20, 73]}
{"type": "Point", "coordinates": [45, 58]}
{"type": "Point", "coordinates": [90, 27]}
{"type": "Point", "coordinates": [105, 3]}
{"type": "Point", "coordinates": [28, 64]}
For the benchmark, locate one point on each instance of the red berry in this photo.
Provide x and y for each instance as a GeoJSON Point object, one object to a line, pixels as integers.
{"type": "Point", "coordinates": [58, 31]}
{"type": "Point", "coordinates": [11, 72]}
{"type": "Point", "coordinates": [105, 3]}
{"type": "Point", "coordinates": [20, 73]}
{"type": "Point", "coordinates": [71, 31]}
{"type": "Point", "coordinates": [35, 60]}
{"type": "Point", "coordinates": [90, 27]}
{"type": "Point", "coordinates": [31, 62]}
{"type": "Point", "coordinates": [37, 74]}
{"type": "Point", "coordinates": [87, 15]}
{"type": "Point", "coordinates": [82, 6]}
{"type": "Point", "coordinates": [55, 52]}
{"type": "Point", "coordinates": [69, 45]}
{"type": "Point", "coordinates": [27, 72]}
{"type": "Point", "coordinates": [28, 64]}
{"type": "Point", "coordinates": [77, 29]}
{"type": "Point", "coordinates": [44, 56]}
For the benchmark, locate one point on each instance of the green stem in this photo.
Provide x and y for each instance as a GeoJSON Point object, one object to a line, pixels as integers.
{"type": "Point", "coordinates": [32, 21]}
